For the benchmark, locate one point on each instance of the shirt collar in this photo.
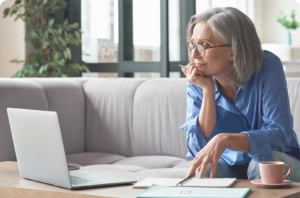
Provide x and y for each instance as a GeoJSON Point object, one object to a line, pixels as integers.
{"type": "Point", "coordinates": [217, 92]}
{"type": "Point", "coordinates": [223, 102]}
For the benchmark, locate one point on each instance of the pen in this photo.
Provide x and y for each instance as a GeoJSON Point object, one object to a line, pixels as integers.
{"type": "Point", "coordinates": [184, 181]}
{"type": "Point", "coordinates": [182, 67]}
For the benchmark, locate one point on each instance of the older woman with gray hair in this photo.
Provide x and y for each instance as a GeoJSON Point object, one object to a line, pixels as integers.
{"type": "Point", "coordinates": [238, 111]}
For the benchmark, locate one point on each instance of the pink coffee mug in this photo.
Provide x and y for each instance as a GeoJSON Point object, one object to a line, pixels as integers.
{"type": "Point", "coordinates": [272, 172]}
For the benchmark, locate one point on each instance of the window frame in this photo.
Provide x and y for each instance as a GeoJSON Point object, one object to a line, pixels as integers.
{"type": "Point", "coordinates": [126, 68]}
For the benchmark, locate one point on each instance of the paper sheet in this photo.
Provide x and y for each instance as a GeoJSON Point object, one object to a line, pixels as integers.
{"type": "Point", "coordinates": [161, 191]}
{"type": "Point", "coordinates": [207, 182]}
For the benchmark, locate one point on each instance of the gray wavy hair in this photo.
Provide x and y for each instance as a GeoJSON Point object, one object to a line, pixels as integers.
{"type": "Point", "coordinates": [234, 28]}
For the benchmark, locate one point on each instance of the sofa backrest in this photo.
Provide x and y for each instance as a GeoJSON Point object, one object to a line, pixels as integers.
{"type": "Point", "coordinates": [18, 94]}
{"type": "Point", "coordinates": [109, 114]}
{"type": "Point", "coordinates": [159, 109]}
{"type": "Point", "coordinates": [65, 96]}
{"type": "Point", "coordinates": [293, 85]}
{"type": "Point", "coordinates": [133, 117]}
{"type": "Point", "coordinates": [130, 117]}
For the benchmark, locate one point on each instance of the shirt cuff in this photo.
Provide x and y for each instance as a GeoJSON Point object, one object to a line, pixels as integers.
{"type": "Point", "coordinates": [195, 133]}
{"type": "Point", "coordinates": [260, 147]}
{"type": "Point", "coordinates": [192, 126]}
{"type": "Point", "coordinates": [215, 131]}
{"type": "Point", "coordinates": [189, 156]}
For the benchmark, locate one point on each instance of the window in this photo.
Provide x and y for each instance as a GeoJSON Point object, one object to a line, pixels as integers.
{"type": "Point", "coordinates": [99, 23]}
{"type": "Point", "coordinates": [146, 30]}
{"type": "Point", "coordinates": [132, 38]}
{"type": "Point", "coordinates": [202, 5]}
{"type": "Point", "coordinates": [174, 30]}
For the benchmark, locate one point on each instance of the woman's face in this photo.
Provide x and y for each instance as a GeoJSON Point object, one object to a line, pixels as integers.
{"type": "Point", "coordinates": [216, 61]}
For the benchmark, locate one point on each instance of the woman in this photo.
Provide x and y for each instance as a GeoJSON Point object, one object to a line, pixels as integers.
{"type": "Point", "coordinates": [238, 111]}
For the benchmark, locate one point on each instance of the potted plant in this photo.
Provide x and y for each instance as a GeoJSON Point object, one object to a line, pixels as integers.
{"type": "Point", "coordinates": [289, 25]}
{"type": "Point", "coordinates": [52, 56]}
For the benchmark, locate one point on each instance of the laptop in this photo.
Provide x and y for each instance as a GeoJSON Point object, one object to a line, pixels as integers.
{"type": "Point", "coordinates": [41, 156]}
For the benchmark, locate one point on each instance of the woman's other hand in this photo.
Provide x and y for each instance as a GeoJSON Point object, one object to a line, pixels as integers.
{"type": "Point", "coordinates": [210, 154]}
{"type": "Point", "coordinates": [195, 76]}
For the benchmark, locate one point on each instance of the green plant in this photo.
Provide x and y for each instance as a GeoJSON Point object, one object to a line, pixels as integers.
{"type": "Point", "coordinates": [281, 18]}
{"type": "Point", "coordinates": [52, 55]}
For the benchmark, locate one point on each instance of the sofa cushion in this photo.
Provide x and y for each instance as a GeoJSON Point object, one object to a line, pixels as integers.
{"type": "Point", "coordinates": [66, 98]}
{"type": "Point", "coordinates": [159, 109]}
{"type": "Point", "coordinates": [151, 162]}
{"type": "Point", "coordinates": [183, 165]}
{"type": "Point", "coordinates": [17, 93]}
{"type": "Point", "coordinates": [166, 171]}
{"type": "Point", "coordinates": [85, 159]}
{"type": "Point", "coordinates": [109, 114]}
{"type": "Point", "coordinates": [116, 167]}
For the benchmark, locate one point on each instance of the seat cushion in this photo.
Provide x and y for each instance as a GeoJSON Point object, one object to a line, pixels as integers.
{"type": "Point", "coordinates": [152, 162]}
{"type": "Point", "coordinates": [166, 171]}
{"type": "Point", "coordinates": [89, 158]}
{"type": "Point", "coordinates": [183, 165]}
{"type": "Point", "coordinates": [116, 167]}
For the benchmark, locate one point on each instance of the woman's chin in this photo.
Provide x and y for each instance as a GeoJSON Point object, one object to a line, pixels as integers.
{"type": "Point", "coordinates": [206, 74]}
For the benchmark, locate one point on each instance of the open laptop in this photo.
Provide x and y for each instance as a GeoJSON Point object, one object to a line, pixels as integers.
{"type": "Point", "coordinates": [41, 156]}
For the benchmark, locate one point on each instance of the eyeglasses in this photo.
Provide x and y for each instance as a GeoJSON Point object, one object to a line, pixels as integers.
{"type": "Point", "coordinates": [200, 48]}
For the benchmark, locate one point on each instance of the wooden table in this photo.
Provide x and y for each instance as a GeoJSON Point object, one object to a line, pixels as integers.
{"type": "Point", "coordinates": [13, 186]}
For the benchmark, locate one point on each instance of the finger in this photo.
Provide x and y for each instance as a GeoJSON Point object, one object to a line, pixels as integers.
{"type": "Point", "coordinates": [190, 173]}
{"type": "Point", "coordinates": [192, 170]}
{"type": "Point", "coordinates": [194, 73]}
{"type": "Point", "coordinates": [189, 67]}
{"type": "Point", "coordinates": [191, 163]}
{"type": "Point", "coordinates": [192, 64]}
{"type": "Point", "coordinates": [199, 168]}
{"type": "Point", "coordinates": [194, 165]}
{"type": "Point", "coordinates": [201, 73]}
{"type": "Point", "coordinates": [203, 169]}
{"type": "Point", "coordinates": [214, 167]}
{"type": "Point", "coordinates": [197, 157]}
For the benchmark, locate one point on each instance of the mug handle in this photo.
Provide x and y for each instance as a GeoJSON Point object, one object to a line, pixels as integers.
{"type": "Point", "coordinates": [288, 173]}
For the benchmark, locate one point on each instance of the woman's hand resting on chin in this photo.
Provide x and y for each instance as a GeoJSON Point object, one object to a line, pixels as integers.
{"type": "Point", "coordinates": [195, 76]}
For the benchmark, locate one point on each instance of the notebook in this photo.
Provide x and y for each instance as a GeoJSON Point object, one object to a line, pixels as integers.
{"type": "Point", "coordinates": [194, 182]}
{"type": "Point", "coordinates": [186, 192]}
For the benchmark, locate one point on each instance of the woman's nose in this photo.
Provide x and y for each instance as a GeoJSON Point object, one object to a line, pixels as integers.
{"type": "Point", "coordinates": [195, 54]}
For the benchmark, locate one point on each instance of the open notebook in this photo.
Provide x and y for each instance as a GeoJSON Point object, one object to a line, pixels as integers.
{"type": "Point", "coordinates": [194, 182]}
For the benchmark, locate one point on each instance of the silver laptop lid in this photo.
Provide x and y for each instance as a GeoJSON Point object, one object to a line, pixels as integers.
{"type": "Point", "coordinates": [39, 147]}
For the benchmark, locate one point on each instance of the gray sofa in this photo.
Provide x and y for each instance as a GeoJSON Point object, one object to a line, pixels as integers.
{"type": "Point", "coordinates": [114, 124]}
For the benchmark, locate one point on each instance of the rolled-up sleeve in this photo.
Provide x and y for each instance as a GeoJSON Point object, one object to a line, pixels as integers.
{"type": "Point", "coordinates": [195, 137]}
{"type": "Point", "coordinates": [277, 126]}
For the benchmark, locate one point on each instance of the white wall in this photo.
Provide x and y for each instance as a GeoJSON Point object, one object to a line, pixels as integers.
{"type": "Point", "coordinates": [273, 32]}
{"type": "Point", "coordinates": [12, 44]}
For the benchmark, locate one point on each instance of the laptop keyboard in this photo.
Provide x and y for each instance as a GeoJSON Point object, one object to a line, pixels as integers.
{"type": "Point", "coordinates": [78, 180]}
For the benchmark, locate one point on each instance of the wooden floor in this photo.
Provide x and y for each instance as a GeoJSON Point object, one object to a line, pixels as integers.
{"type": "Point", "coordinates": [13, 186]}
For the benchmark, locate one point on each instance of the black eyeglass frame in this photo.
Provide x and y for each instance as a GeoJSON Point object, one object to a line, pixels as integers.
{"type": "Point", "coordinates": [204, 47]}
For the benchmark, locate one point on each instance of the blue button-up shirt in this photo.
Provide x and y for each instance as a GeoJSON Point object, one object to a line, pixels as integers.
{"type": "Point", "coordinates": [261, 110]}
